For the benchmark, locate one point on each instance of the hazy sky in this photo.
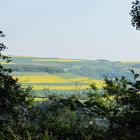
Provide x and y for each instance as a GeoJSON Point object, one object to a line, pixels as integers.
{"type": "Point", "coordinates": [89, 29]}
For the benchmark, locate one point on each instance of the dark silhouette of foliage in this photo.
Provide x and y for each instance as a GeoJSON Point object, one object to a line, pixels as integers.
{"type": "Point", "coordinates": [118, 108]}
{"type": "Point", "coordinates": [34, 68]}
{"type": "Point", "coordinates": [135, 14]}
{"type": "Point", "coordinates": [112, 113]}
{"type": "Point", "coordinates": [65, 119]}
{"type": "Point", "coordinates": [14, 103]}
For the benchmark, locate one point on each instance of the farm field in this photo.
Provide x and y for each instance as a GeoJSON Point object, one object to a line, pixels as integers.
{"type": "Point", "coordinates": [66, 75]}
{"type": "Point", "coordinates": [53, 82]}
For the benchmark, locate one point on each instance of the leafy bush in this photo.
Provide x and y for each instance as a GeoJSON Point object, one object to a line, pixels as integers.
{"type": "Point", "coordinates": [14, 104]}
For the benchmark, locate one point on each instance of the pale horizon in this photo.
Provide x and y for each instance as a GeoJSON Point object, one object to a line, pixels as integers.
{"type": "Point", "coordinates": [74, 29]}
{"type": "Point", "coordinates": [125, 60]}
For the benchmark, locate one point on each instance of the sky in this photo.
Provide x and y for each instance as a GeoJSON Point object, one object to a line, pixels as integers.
{"type": "Point", "coordinates": [82, 29]}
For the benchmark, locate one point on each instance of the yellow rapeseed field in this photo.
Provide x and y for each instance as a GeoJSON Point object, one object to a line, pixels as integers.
{"type": "Point", "coordinates": [86, 80]}
{"type": "Point", "coordinates": [51, 79]}
{"type": "Point", "coordinates": [41, 79]}
{"type": "Point", "coordinates": [80, 79]}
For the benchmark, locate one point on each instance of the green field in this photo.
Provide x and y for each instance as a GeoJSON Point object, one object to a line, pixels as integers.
{"type": "Point", "coordinates": [59, 74]}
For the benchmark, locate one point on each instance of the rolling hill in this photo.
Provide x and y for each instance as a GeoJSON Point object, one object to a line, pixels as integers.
{"type": "Point", "coordinates": [66, 74]}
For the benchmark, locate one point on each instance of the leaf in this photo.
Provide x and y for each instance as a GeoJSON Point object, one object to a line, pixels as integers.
{"type": "Point", "coordinates": [136, 76]}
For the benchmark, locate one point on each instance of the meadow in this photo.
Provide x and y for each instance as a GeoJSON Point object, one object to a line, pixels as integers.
{"type": "Point", "coordinates": [65, 75]}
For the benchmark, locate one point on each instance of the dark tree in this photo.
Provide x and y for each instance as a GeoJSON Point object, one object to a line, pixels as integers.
{"type": "Point", "coordinates": [135, 14]}
{"type": "Point", "coordinates": [14, 103]}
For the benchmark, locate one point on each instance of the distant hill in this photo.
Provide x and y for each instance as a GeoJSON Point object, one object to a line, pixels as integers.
{"type": "Point", "coordinates": [90, 68]}
{"type": "Point", "coordinates": [60, 75]}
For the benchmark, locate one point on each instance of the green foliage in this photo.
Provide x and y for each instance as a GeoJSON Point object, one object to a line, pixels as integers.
{"type": "Point", "coordinates": [34, 68]}
{"type": "Point", "coordinates": [14, 104]}
{"type": "Point", "coordinates": [135, 14]}
{"type": "Point", "coordinates": [64, 118]}
{"type": "Point", "coordinates": [118, 108]}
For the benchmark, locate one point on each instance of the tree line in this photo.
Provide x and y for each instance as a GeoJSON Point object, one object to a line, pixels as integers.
{"type": "Point", "coordinates": [34, 68]}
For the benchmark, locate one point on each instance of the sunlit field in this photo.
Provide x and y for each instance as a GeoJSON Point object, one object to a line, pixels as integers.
{"type": "Point", "coordinates": [53, 82]}
{"type": "Point", "coordinates": [41, 79]}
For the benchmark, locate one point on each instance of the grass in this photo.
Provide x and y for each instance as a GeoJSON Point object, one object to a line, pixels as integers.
{"type": "Point", "coordinates": [66, 75]}
{"type": "Point", "coordinates": [87, 80]}
{"type": "Point", "coordinates": [30, 73]}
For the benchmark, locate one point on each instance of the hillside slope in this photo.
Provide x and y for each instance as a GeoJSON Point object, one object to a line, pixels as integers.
{"type": "Point", "coordinates": [90, 68]}
{"type": "Point", "coordinates": [66, 74]}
